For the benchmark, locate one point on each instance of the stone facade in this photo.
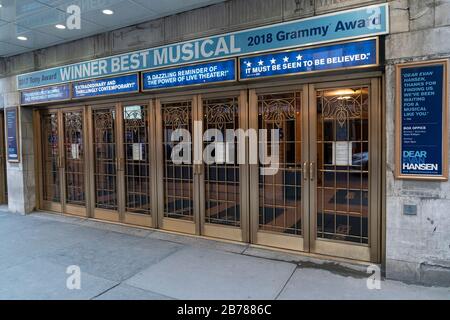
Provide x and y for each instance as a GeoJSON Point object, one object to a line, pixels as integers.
{"type": "Point", "coordinates": [417, 247]}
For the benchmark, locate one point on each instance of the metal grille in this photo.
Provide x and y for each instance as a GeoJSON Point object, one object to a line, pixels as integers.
{"type": "Point", "coordinates": [178, 179]}
{"type": "Point", "coordinates": [105, 166]}
{"type": "Point", "coordinates": [137, 169]}
{"type": "Point", "coordinates": [222, 200]}
{"type": "Point", "coordinates": [74, 157]}
{"type": "Point", "coordinates": [343, 163]}
{"type": "Point", "coordinates": [50, 156]}
{"type": "Point", "coordinates": [280, 194]}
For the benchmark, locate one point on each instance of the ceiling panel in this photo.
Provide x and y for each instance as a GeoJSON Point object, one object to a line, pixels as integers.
{"type": "Point", "coordinates": [36, 19]}
{"type": "Point", "coordinates": [173, 6]}
{"type": "Point", "coordinates": [124, 12]}
{"type": "Point", "coordinates": [7, 49]}
{"type": "Point", "coordinates": [9, 33]}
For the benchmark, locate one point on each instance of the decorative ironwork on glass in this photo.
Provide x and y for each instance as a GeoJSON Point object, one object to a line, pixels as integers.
{"type": "Point", "coordinates": [278, 110]}
{"type": "Point", "coordinates": [176, 116]}
{"type": "Point", "coordinates": [343, 107]}
{"type": "Point", "coordinates": [220, 114]}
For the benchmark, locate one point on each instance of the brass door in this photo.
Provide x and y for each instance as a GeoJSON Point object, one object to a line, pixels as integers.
{"type": "Point", "coordinates": [136, 163]}
{"type": "Point", "coordinates": [50, 151]}
{"type": "Point", "coordinates": [178, 205]}
{"type": "Point", "coordinates": [62, 166]}
{"type": "Point", "coordinates": [345, 152]}
{"type": "Point", "coordinates": [73, 165]}
{"type": "Point", "coordinates": [223, 178]}
{"type": "Point", "coordinates": [105, 160]}
{"type": "Point", "coordinates": [122, 157]}
{"type": "Point", "coordinates": [325, 195]}
{"type": "Point", "coordinates": [278, 203]}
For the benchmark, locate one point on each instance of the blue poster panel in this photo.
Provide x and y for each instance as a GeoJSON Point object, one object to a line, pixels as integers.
{"type": "Point", "coordinates": [330, 57]}
{"type": "Point", "coordinates": [339, 26]}
{"type": "Point", "coordinates": [12, 132]}
{"type": "Point", "coordinates": [47, 94]}
{"type": "Point", "coordinates": [422, 110]}
{"type": "Point", "coordinates": [108, 86]}
{"type": "Point", "coordinates": [212, 72]}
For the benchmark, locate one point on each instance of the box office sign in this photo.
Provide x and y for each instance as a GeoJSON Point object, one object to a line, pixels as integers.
{"type": "Point", "coordinates": [205, 73]}
{"type": "Point", "coordinates": [47, 94]}
{"type": "Point", "coordinates": [343, 25]}
{"type": "Point", "coordinates": [106, 87]}
{"type": "Point", "coordinates": [344, 55]}
{"type": "Point", "coordinates": [422, 109]}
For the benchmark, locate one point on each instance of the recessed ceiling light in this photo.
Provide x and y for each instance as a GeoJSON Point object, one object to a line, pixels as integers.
{"type": "Point", "coordinates": [22, 38]}
{"type": "Point", "coordinates": [1, 5]}
{"type": "Point", "coordinates": [60, 26]}
{"type": "Point", "coordinates": [108, 12]}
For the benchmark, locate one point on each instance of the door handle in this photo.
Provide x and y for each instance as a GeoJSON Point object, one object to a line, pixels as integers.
{"type": "Point", "coordinates": [197, 169]}
{"type": "Point", "coordinates": [311, 171]}
{"type": "Point", "coordinates": [305, 170]}
{"type": "Point", "coordinates": [121, 164]}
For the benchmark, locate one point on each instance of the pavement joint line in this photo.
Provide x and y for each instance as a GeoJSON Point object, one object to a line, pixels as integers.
{"type": "Point", "coordinates": [105, 291]}
{"type": "Point", "coordinates": [287, 281]}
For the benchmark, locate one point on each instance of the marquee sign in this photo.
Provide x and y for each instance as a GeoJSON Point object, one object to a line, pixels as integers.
{"type": "Point", "coordinates": [47, 94]}
{"type": "Point", "coordinates": [107, 86]}
{"type": "Point", "coordinates": [342, 25]}
{"type": "Point", "coordinates": [205, 73]}
{"type": "Point", "coordinates": [422, 117]}
{"type": "Point", "coordinates": [346, 55]}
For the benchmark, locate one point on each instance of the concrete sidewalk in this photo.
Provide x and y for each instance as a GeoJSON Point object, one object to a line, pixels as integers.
{"type": "Point", "coordinates": [119, 262]}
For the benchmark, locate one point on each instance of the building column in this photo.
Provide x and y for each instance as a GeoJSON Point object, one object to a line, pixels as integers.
{"type": "Point", "coordinates": [20, 177]}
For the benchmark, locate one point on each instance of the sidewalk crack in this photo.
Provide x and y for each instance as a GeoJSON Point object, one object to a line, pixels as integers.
{"type": "Point", "coordinates": [287, 281]}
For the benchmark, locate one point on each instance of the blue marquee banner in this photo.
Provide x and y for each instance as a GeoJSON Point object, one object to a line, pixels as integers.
{"type": "Point", "coordinates": [212, 72]}
{"type": "Point", "coordinates": [107, 86]}
{"type": "Point", "coordinates": [345, 55]}
{"type": "Point", "coordinates": [422, 111]}
{"type": "Point", "coordinates": [343, 25]}
{"type": "Point", "coordinates": [47, 94]}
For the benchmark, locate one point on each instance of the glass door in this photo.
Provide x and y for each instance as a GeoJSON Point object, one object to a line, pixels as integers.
{"type": "Point", "coordinates": [223, 188]}
{"type": "Point", "coordinates": [105, 160]}
{"type": "Point", "coordinates": [345, 148]}
{"type": "Point", "coordinates": [50, 161]}
{"type": "Point", "coordinates": [73, 162]}
{"type": "Point", "coordinates": [278, 203]}
{"type": "Point", "coordinates": [324, 197]}
{"type": "Point", "coordinates": [135, 164]}
{"type": "Point", "coordinates": [62, 166]}
{"type": "Point", "coordinates": [178, 210]}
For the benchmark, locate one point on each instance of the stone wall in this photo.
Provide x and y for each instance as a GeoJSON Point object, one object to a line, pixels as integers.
{"type": "Point", "coordinates": [417, 247]}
